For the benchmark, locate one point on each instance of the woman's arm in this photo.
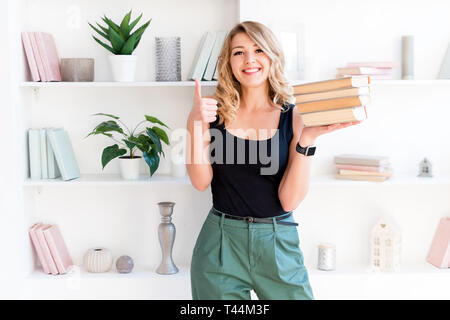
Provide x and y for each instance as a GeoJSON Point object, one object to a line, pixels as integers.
{"type": "Point", "coordinates": [295, 182]}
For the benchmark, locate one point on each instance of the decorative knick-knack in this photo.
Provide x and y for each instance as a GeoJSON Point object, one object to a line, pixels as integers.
{"type": "Point", "coordinates": [124, 264]}
{"type": "Point", "coordinates": [327, 257]}
{"type": "Point", "coordinates": [425, 168]}
{"type": "Point", "coordinates": [98, 260]}
{"type": "Point", "coordinates": [166, 234]}
{"type": "Point", "coordinates": [408, 57]}
{"type": "Point", "coordinates": [168, 58]}
{"type": "Point", "coordinates": [385, 245]}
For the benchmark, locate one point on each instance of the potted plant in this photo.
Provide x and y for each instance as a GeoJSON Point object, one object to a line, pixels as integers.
{"type": "Point", "coordinates": [147, 140]}
{"type": "Point", "coordinates": [123, 43]}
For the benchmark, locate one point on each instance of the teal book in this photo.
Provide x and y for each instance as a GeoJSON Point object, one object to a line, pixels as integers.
{"type": "Point", "coordinates": [202, 57]}
{"type": "Point", "coordinates": [65, 157]}
{"type": "Point", "coordinates": [212, 63]}
{"type": "Point", "coordinates": [43, 141]}
{"type": "Point", "coordinates": [52, 165]}
{"type": "Point", "coordinates": [34, 153]}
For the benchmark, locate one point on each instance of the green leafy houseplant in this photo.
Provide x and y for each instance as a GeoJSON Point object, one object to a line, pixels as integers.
{"type": "Point", "coordinates": [147, 140]}
{"type": "Point", "coordinates": [122, 41]}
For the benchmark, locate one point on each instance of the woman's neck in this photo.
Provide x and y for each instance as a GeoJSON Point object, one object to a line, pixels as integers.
{"type": "Point", "coordinates": [255, 98]}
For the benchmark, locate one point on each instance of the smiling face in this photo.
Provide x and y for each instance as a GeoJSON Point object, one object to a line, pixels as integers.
{"type": "Point", "coordinates": [250, 65]}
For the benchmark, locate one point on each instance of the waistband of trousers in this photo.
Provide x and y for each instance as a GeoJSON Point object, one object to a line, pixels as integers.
{"type": "Point", "coordinates": [243, 224]}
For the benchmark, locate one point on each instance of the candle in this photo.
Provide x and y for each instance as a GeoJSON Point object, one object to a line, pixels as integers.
{"type": "Point", "coordinates": [327, 256]}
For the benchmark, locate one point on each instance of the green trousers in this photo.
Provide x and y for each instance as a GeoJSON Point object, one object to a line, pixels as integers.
{"type": "Point", "coordinates": [232, 257]}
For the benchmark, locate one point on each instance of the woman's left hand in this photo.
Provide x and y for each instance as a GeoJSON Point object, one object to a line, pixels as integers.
{"type": "Point", "coordinates": [309, 134]}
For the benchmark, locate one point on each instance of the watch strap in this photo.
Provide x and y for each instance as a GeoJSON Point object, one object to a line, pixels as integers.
{"type": "Point", "coordinates": [307, 151]}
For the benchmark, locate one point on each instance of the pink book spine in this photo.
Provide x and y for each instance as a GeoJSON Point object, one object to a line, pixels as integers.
{"type": "Point", "coordinates": [30, 56]}
{"type": "Point", "coordinates": [375, 64]}
{"type": "Point", "coordinates": [45, 249]}
{"type": "Point", "coordinates": [52, 54]}
{"type": "Point", "coordinates": [37, 247]}
{"type": "Point", "coordinates": [360, 168]}
{"type": "Point", "coordinates": [58, 248]}
{"type": "Point", "coordinates": [439, 254]}
{"type": "Point", "coordinates": [37, 56]}
{"type": "Point", "coordinates": [43, 53]}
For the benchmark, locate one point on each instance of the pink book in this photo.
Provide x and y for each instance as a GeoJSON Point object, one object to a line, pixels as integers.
{"type": "Point", "coordinates": [37, 247]}
{"type": "Point", "coordinates": [58, 248]}
{"type": "Point", "coordinates": [49, 55]}
{"type": "Point", "coordinates": [439, 254]}
{"type": "Point", "coordinates": [375, 64]}
{"type": "Point", "coordinates": [37, 56]}
{"type": "Point", "coordinates": [30, 56]}
{"type": "Point", "coordinates": [45, 249]}
{"type": "Point", "coordinates": [362, 168]}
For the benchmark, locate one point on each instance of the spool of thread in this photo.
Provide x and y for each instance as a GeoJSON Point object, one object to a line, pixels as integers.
{"type": "Point", "coordinates": [327, 257]}
{"type": "Point", "coordinates": [408, 57]}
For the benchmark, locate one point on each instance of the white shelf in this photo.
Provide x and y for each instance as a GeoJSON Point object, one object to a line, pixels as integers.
{"type": "Point", "coordinates": [396, 179]}
{"type": "Point", "coordinates": [107, 180]}
{"type": "Point", "coordinates": [29, 84]}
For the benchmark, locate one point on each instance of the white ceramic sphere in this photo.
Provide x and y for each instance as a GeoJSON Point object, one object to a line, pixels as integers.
{"type": "Point", "coordinates": [98, 260]}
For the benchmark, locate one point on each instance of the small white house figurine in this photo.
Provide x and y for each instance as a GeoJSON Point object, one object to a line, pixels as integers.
{"type": "Point", "coordinates": [385, 246]}
{"type": "Point", "coordinates": [425, 168]}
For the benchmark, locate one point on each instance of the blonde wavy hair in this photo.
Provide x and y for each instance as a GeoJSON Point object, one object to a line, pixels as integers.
{"type": "Point", "coordinates": [228, 90]}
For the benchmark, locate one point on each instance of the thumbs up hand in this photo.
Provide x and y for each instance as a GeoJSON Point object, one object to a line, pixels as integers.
{"type": "Point", "coordinates": [203, 109]}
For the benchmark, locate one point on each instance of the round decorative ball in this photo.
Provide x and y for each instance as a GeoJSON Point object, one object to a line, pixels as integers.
{"type": "Point", "coordinates": [98, 260]}
{"type": "Point", "coordinates": [124, 264]}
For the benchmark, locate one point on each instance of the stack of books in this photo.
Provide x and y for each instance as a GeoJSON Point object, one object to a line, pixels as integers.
{"type": "Point", "coordinates": [333, 101]}
{"type": "Point", "coordinates": [50, 248]}
{"type": "Point", "coordinates": [51, 154]}
{"type": "Point", "coordinates": [362, 167]}
{"type": "Point", "coordinates": [378, 70]}
{"type": "Point", "coordinates": [205, 62]}
{"type": "Point", "coordinates": [42, 57]}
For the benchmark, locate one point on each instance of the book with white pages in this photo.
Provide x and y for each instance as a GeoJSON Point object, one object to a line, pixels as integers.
{"type": "Point", "coordinates": [202, 57]}
{"type": "Point", "coordinates": [212, 63]}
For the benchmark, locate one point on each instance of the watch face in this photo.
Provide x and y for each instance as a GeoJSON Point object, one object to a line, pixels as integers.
{"type": "Point", "coordinates": [311, 151]}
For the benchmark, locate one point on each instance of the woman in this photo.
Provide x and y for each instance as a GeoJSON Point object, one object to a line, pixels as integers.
{"type": "Point", "coordinates": [249, 240]}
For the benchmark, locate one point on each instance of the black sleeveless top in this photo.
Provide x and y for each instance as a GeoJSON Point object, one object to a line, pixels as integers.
{"type": "Point", "coordinates": [247, 173]}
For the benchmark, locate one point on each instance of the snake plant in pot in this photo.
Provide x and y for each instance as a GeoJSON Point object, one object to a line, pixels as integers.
{"type": "Point", "coordinates": [122, 44]}
{"type": "Point", "coordinates": [147, 140]}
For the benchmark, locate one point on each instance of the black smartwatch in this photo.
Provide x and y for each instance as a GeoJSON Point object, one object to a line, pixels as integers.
{"type": "Point", "coordinates": [308, 151]}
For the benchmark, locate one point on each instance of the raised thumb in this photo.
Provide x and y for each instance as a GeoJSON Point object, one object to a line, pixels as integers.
{"type": "Point", "coordinates": [198, 89]}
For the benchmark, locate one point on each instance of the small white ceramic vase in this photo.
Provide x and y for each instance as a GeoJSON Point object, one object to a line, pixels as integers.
{"type": "Point", "coordinates": [123, 67]}
{"type": "Point", "coordinates": [129, 167]}
{"type": "Point", "coordinates": [98, 260]}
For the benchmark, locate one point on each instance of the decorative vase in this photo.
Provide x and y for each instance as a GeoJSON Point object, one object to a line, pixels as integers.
{"type": "Point", "coordinates": [178, 165]}
{"type": "Point", "coordinates": [124, 264]}
{"type": "Point", "coordinates": [77, 69]}
{"type": "Point", "coordinates": [327, 257]}
{"type": "Point", "coordinates": [98, 260]}
{"type": "Point", "coordinates": [129, 167]}
{"type": "Point", "coordinates": [123, 67]}
{"type": "Point", "coordinates": [407, 57]}
{"type": "Point", "coordinates": [168, 58]}
{"type": "Point", "coordinates": [166, 235]}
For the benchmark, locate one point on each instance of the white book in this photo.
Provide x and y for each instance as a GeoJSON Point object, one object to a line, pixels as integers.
{"type": "Point", "coordinates": [212, 63]}
{"type": "Point", "coordinates": [34, 152]}
{"type": "Point", "coordinates": [52, 165]}
{"type": "Point", "coordinates": [202, 57]}
{"type": "Point", "coordinates": [444, 73]}
{"type": "Point", "coordinates": [43, 142]}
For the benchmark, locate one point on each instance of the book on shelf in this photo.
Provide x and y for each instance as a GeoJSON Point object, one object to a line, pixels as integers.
{"type": "Point", "coordinates": [45, 249]}
{"type": "Point", "coordinates": [362, 159]}
{"type": "Point", "coordinates": [328, 117]}
{"type": "Point", "coordinates": [444, 72]}
{"type": "Point", "coordinates": [34, 153]}
{"type": "Point", "coordinates": [360, 177]}
{"type": "Point", "coordinates": [52, 165]}
{"type": "Point", "coordinates": [37, 248]}
{"type": "Point", "coordinates": [64, 154]}
{"type": "Point", "coordinates": [212, 63]}
{"type": "Point", "coordinates": [37, 56]}
{"type": "Point", "coordinates": [374, 64]}
{"type": "Point", "coordinates": [372, 76]}
{"type": "Point", "coordinates": [49, 55]}
{"type": "Point", "coordinates": [57, 248]}
{"type": "Point", "coordinates": [341, 93]}
{"type": "Point", "coordinates": [32, 65]}
{"type": "Point", "coordinates": [362, 70]}
{"type": "Point", "coordinates": [439, 252]}
{"type": "Point", "coordinates": [356, 167]}
{"type": "Point", "coordinates": [202, 56]}
{"type": "Point", "coordinates": [332, 84]}
{"type": "Point", "coordinates": [345, 172]}
{"type": "Point", "coordinates": [330, 104]}
{"type": "Point", "coordinates": [43, 149]}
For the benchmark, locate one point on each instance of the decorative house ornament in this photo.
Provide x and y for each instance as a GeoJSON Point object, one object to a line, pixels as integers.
{"type": "Point", "coordinates": [124, 264]}
{"type": "Point", "coordinates": [439, 253]}
{"type": "Point", "coordinates": [385, 246]}
{"type": "Point", "coordinates": [327, 257]}
{"type": "Point", "coordinates": [166, 234]}
{"type": "Point", "coordinates": [98, 260]}
{"type": "Point", "coordinates": [425, 168]}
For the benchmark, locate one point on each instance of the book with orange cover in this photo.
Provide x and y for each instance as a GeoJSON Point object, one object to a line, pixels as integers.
{"type": "Point", "coordinates": [330, 104]}
{"type": "Point", "coordinates": [57, 248]}
{"type": "Point", "coordinates": [349, 92]}
{"type": "Point", "coordinates": [332, 84]}
{"type": "Point", "coordinates": [345, 172]}
{"type": "Point", "coordinates": [321, 118]}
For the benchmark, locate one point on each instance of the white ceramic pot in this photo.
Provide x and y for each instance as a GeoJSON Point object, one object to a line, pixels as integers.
{"type": "Point", "coordinates": [123, 67]}
{"type": "Point", "coordinates": [129, 167]}
{"type": "Point", "coordinates": [98, 260]}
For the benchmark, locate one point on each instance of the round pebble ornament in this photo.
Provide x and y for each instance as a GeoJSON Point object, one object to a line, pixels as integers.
{"type": "Point", "coordinates": [124, 264]}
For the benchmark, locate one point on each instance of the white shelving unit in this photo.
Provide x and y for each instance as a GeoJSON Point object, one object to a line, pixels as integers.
{"type": "Point", "coordinates": [101, 209]}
